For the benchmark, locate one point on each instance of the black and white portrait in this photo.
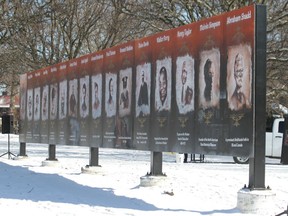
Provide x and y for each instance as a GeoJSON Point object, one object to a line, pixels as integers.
{"type": "Point", "coordinates": [110, 94]}
{"type": "Point", "coordinates": [23, 92]}
{"type": "Point", "coordinates": [63, 99]}
{"type": "Point", "coordinates": [209, 79]}
{"type": "Point", "coordinates": [53, 101]}
{"type": "Point", "coordinates": [125, 90]}
{"type": "Point", "coordinates": [37, 104]}
{"type": "Point", "coordinates": [84, 97]}
{"type": "Point", "coordinates": [96, 95]}
{"type": "Point", "coordinates": [73, 91]}
{"type": "Point", "coordinates": [163, 85]}
{"type": "Point", "coordinates": [30, 104]}
{"type": "Point", "coordinates": [185, 84]}
{"type": "Point", "coordinates": [45, 102]}
{"type": "Point", "coordinates": [143, 89]}
{"type": "Point", "coordinates": [239, 69]}
{"type": "Point", "coordinates": [22, 105]}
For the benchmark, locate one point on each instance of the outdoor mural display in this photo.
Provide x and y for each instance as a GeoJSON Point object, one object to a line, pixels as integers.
{"type": "Point", "coordinates": [183, 77]}
{"type": "Point", "coordinates": [142, 110]}
{"type": "Point", "coordinates": [62, 102]}
{"type": "Point", "coordinates": [96, 98]}
{"type": "Point", "coordinates": [110, 97]}
{"type": "Point", "coordinates": [44, 107]}
{"type": "Point", "coordinates": [189, 89]}
{"type": "Point", "coordinates": [124, 116]}
{"type": "Point", "coordinates": [239, 81]}
{"type": "Point", "coordinates": [161, 94]}
{"type": "Point", "coordinates": [23, 105]}
{"type": "Point", "coordinates": [83, 75]}
{"type": "Point", "coordinates": [211, 52]}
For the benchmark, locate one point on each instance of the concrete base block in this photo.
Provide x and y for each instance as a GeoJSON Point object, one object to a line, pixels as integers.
{"type": "Point", "coordinates": [150, 180]}
{"type": "Point", "coordinates": [260, 202]}
{"type": "Point", "coordinates": [91, 169]}
{"type": "Point", "coordinates": [179, 157]}
{"type": "Point", "coordinates": [20, 157]}
{"type": "Point", "coordinates": [50, 163]}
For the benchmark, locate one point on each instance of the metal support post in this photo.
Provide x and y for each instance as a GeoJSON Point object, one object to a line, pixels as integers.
{"type": "Point", "coordinates": [22, 152]}
{"type": "Point", "coordinates": [52, 153]}
{"type": "Point", "coordinates": [94, 156]}
{"type": "Point", "coordinates": [156, 163]}
{"type": "Point", "coordinates": [257, 163]}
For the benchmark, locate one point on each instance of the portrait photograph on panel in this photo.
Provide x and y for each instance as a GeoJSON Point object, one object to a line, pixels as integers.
{"type": "Point", "coordinates": [63, 99]}
{"type": "Point", "coordinates": [163, 85]}
{"type": "Point", "coordinates": [72, 104]}
{"type": "Point", "coordinates": [110, 94]}
{"type": "Point", "coordinates": [209, 79]}
{"type": "Point", "coordinates": [44, 109]}
{"type": "Point", "coordinates": [30, 104]}
{"type": "Point", "coordinates": [96, 95]}
{"type": "Point", "coordinates": [239, 72]}
{"type": "Point", "coordinates": [37, 103]}
{"type": "Point", "coordinates": [23, 105]}
{"type": "Point", "coordinates": [23, 92]}
{"type": "Point", "coordinates": [143, 89]}
{"type": "Point", "coordinates": [125, 88]}
{"type": "Point", "coordinates": [185, 84]}
{"type": "Point", "coordinates": [84, 97]}
{"type": "Point", "coordinates": [53, 101]}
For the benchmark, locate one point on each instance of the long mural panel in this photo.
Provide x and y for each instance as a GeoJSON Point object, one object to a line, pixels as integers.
{"type": "Point", "coordinates": [188, 89]}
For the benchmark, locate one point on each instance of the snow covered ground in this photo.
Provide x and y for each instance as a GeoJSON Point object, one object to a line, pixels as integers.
{"type": "Point", "coordinates": [208, 188]}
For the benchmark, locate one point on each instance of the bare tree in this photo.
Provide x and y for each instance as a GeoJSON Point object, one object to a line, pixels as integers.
{"type": "Point", "coordinates": [167, 14]}
{"type": "Point", "coordinates": [54, 31]}
{"type": "Point", "coordinates": [277, 55]}
{"type": "Point", "coordinates": [51, 31]}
